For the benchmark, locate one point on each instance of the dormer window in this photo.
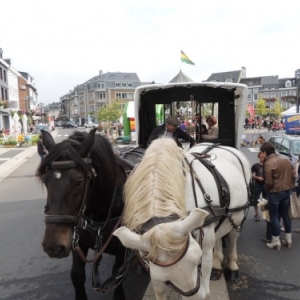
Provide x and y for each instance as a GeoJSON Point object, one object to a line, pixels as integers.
{"type": "Point", "coordinates": [288, 84]}
{"type": "Point", "coordinates": [228, 80]}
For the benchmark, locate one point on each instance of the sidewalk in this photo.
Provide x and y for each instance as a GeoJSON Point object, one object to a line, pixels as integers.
{"type": "Point", "coordinates": [12, 158]}
{"type": "Point", "coordinates": [218, 290]}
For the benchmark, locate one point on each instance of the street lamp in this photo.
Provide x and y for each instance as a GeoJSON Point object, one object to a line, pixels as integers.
{"type": "Point", "coordinates": [297, 75]}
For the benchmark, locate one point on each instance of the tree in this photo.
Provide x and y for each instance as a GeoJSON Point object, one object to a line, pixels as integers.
{"type": "Point", "coordinates": [261, 108]}
{"type": "Point", "coordinates": [277, 108]}
{"type": "Point", "coordinates": [110, 113]}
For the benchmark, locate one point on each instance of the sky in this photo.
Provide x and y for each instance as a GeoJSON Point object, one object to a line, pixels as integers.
{"type": "Point", "coordinates": [65, 43]}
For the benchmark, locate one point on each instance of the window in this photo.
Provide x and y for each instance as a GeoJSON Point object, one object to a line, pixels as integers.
{"type": "Point", "coordinates": [272, 95]}
{"type": "Point", "coordinates": [288, 84]}
{"type": "Point", "coordinates": [228, 80]}
{"type": "Point", "coordinates": [124, 95]}
{"type": "Point", "coordinates": [292, 93]}
{"type": "Point", "coordinates": [4, 75]}
{"type": "Point", "coordinates": [1, 74]}
{"type": "Point", "coordinates": [129, 84]}
{"type": "Point", "coordinates": [92, 86]}
{"type": "Point", "coordinates": [265, 95]}
{"type": "Point", "coordinates": [91, 97]}
{"type": "Point", "coordinates": [127, 77]}
{"type": "Point", "coordinates": [285, 146]}
{"type": "Point", "coordinates": [124, 85]}
{"type": "Point", "coordinates": [91, 107]}
{"type": "Point", "coordinates": [284, 93]}
{"type": "Point", "coordinates": [255, 97]}
{"type": "Point", "coordinates": [112, 76]}
{"type": "Point", "coordinates": [100, 96]}
{"type": "Point", "coordinates": [117, 84]}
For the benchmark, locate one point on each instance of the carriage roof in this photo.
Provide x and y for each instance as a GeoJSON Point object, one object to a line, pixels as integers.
{"type": "Point", "coordinates": [230, 98]}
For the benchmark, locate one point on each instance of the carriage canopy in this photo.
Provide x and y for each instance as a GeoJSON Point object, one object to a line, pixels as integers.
{"type": "Point", "coordinates": [226, 101]}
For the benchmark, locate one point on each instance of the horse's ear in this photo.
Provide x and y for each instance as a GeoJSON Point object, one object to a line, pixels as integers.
{"type": "Point", "coordinates": [47, 139]}
{"type": "Point", "coordinates": [86, 146]}
{"type": "Point", "coordinates": [132, 240]}
{"type": "Point", "coordinates": [194, 220]}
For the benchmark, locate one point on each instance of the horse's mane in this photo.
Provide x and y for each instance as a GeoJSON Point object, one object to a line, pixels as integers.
{"type": "Point", "coordinates": [157, 186]}
{"type": "Point", "coordinates": [101, 154]}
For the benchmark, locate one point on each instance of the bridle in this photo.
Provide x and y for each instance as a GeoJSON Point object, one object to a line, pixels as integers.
{"type": "Point", "coordinates": [145, 259]}
{"type": "Point", "coordinates": [68, 219]}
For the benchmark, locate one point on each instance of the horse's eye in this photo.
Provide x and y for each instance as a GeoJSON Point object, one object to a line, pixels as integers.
{"type": "Point", "coordinates": [78, 183]}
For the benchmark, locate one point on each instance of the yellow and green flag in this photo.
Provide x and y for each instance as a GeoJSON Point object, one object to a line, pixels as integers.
{"type": "Point", "coordinates": [185, 59]}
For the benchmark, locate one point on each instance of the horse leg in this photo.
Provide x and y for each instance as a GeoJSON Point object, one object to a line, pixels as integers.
{"type": "Point", "coordinates": [207, 259]}
{"type": "Point", "coordinates": [119, 291]}
{"type": "Point", "coordinates": [232, 260]}
{"type": "Point", "coordinates": [218, 258]}
{"type": "Point", "coordinates": [78, 274]}
{"type": "Point", "coordinates": [159, 289]}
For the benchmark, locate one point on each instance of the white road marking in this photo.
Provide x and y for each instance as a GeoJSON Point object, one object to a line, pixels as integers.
{"type": "Point", "coordinates": [253, 149]}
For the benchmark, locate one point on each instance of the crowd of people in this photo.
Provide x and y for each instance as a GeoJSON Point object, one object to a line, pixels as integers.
{"type": "Point", "coordinates": [177, 129]}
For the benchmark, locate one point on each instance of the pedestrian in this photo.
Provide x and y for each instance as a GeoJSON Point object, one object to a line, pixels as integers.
{"type": "Point", "coordinates": [279, 180]}
{"type": "Point", "coordinates": [42, 151]}
{"type": "Point", "coordinates": [171, 129]}
{"type": "Point", "coordinates": [257, 171]}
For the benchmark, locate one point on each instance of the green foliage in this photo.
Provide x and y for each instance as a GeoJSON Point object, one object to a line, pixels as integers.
{"type": "Point", "coordinates": [10, 141]}
{"type": "Point", "coordinates": [261, 109]}
{"type": "Point", "coordinates": [277, 108]}
{"type": "Point", "coordinates": [110, 112]}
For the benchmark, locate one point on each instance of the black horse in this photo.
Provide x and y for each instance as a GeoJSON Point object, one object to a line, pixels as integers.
{"type": "Point", "coordinates": [84, 181]}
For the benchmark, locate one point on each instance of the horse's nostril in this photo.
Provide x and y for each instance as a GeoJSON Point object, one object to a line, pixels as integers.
{"type": "Point", "coordinates": [57, 251]}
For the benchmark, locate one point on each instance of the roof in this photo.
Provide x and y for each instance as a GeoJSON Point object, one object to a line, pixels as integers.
{"type": "Point", "coordinates": [267, 80]}
{"type": "Point", "coordinates": [221, 77]}
{"type": "Point", "coordinates": [181, 77]}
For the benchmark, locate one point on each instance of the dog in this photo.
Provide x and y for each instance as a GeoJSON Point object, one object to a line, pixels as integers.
{"type": "Point", "coordinates": [265, 211]}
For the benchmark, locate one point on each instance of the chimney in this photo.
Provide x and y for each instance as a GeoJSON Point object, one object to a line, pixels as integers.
{"type": "Point", "coordinates": [1, 52]}
{"type": "Point", "coordinates": [100, 73]}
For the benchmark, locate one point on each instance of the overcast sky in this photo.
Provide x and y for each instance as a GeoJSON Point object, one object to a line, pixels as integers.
{"type": "Point", "coordinates": [64, 43]}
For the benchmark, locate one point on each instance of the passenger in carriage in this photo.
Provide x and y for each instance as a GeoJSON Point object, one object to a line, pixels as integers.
{"type": "Point", "coordinates": [171, 129]}
{"type": "Point", "coordinates": [213, 129]}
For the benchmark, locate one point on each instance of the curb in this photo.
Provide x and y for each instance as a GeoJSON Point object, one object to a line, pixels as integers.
{"type": "Point", "coordinates": [218, 291]}
{"type": "Point", "coordinates": [12, 164]}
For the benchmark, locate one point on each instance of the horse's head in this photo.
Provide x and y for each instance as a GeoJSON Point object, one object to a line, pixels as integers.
{"type": "Point", "coordinates": [66, 173]}
{"type": "Point", "coordinates": [170, 251]}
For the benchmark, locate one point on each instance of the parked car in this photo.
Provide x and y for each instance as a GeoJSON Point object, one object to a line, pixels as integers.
{"type": "Point", "coordinates": [69, 124]}
{"type": "Point", "coordinates": [58, 123]}
{"type": "Point", "coordinates": [38, 127]}
{"type": "Point", "coordinates": [90, 125]}
{"type": "Point", "coordinates": [288, 146]}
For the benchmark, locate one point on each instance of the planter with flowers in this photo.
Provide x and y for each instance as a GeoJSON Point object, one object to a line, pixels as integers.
{"type": "Point", "coordinates": [3, 104]}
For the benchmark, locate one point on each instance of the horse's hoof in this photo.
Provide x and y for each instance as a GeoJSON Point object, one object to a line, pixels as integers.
{"type": "Point", "coordinates": [231, 276]}
{"type": "Point", "coordinates": [215, 274]}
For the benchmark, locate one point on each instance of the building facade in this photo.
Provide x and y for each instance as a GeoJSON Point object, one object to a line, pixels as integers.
{"type": "Point", "coordinates": [84, 102]}
{"type": "Point", "coordinates": [269, 88]}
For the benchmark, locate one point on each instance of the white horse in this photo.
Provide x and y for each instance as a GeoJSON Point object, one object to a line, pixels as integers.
{"type": "Point", "coordinates": [168, 199]}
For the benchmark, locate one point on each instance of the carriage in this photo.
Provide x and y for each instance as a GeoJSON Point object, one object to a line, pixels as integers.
{"type": "Point", "coordinates": [195, 197]}
{"type": "Point", "coordinates": [227, 101]}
